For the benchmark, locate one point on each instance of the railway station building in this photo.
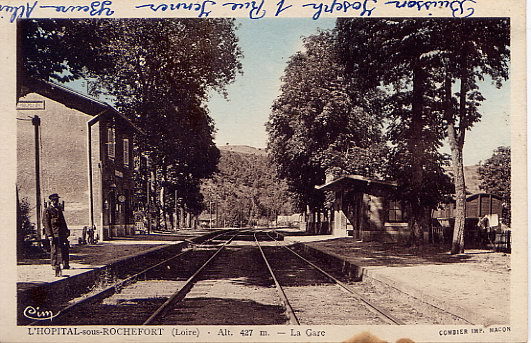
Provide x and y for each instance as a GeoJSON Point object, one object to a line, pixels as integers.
{"type": "Point", "coordinates": [85, 149]}
{"type": "Point", "coordinates": [364, 209]}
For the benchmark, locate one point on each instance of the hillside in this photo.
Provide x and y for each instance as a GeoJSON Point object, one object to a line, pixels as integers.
{"type": "Point", "coordinates": [246, 188]}
{"type": "Point", "coordinates": [243, 149]}
{"type": "Point", "coordinates": [472, 178]}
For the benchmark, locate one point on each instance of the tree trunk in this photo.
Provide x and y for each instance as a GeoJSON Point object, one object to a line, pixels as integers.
{"type": "Point", "coordinates": [416, 150]}
{"type": "Point", "coordinates": [163, 207]}
{"type": "Point", "coordinates": [456, 138]}
{"type": "Point", "coordinates": [185, 218]}
{"type": "Point", "coordinates": [458, 240]}
{"type": "Point", "coordinates": [155, 204]}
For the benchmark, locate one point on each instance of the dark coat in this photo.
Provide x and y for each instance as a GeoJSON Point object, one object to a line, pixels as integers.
{"type": "Point", "coordinates": [54, 223]}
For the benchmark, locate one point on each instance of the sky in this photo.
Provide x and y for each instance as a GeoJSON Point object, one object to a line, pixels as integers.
{"type": "Point", "coordinates": [267, 45]}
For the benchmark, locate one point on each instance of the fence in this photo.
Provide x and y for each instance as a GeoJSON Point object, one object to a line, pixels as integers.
{"type": "Point", "coordinates": [496, 239]}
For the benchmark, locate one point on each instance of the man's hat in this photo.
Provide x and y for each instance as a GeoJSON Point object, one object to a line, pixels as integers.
{"type": "Point", "coordinates": [54, 196]}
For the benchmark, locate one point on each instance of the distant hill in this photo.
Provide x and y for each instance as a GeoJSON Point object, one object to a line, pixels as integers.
{"type": "Point", "coordinates": [472, 178]}
{"type": "Point", "coordinates": [243, 149]}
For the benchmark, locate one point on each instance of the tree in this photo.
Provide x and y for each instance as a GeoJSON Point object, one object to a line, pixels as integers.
{"type": "Point", "coordinates": [390, 55]}
{"type": "Point", "coordinates": [495, 175]}
{"type": "Point", "coordinates": [159, 72]}
{"type": "Point", "coordinates": [317, 124]}
{"type": "Point", "coordinates": [478, 48]}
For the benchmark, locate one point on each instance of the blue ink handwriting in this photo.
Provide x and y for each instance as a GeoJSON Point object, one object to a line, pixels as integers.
{"type": "Point", "coordinates": [456, 6]}
{"type": "Point", "coordinates": [344, 6]}
{"type": "Point", "coordinates": [281, 8]}
{"type": "Point", "coordinates": [256, 11]}
{"type": "Point", "coordinates": [341, 6]}
{"type": "Point", "coordinates": [18, 11]}
{"type": "Point", "coordinates": [35, 313]}
{"type": "Point", "coordinates": [95, 8]}
{"type": "Point", "coordinates": [191, 6]}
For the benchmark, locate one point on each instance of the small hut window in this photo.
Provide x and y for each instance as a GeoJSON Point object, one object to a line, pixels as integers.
{"type": "Point", "coordinates": [395, 211]}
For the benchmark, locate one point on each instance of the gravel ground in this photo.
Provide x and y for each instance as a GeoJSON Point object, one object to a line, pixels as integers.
{"type": "Point", "coordinates": [476, 283]}
{"type": "Point", "coordinates": [403, 306]}
{"type": "Point", "coordinates": [329, 305]}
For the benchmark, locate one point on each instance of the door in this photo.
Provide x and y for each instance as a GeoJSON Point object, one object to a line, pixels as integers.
{"type": "Point", "coordinates": [357, 213]}
{"type": "Point", "coordinates": [112, 208]}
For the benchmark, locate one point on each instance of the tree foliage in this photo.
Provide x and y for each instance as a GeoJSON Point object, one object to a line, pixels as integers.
{"type": "Point", "coordinates": [159, 72]}
{"type": "Point", "coordinates": [245, 190]}
{"type": "Point", "coordinates": [495, 175]}
{"type": "Point", "coordinates": [318, 123]}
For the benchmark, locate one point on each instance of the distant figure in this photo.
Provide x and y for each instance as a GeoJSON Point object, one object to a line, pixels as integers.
{"type": "Point", "coordinates": [487, 226]}
{"type": "Point", "coordinates": [57, 233]}
{"type": "Point", "coordinates": [90, 235]}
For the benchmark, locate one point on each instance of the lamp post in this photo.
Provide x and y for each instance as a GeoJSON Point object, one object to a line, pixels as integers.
{"type": "Point", "coordinates": [36, 121]}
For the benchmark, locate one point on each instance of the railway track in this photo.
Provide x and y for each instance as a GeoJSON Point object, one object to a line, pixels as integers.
{"type": "Point", "coordinates": [242, 278]}
{"type": "Point", "coordinates": [100, 307]}
{"type": "Point", "coordinates": [314, 296]}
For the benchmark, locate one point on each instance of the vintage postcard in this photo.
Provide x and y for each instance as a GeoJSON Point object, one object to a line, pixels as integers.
{"type": "Point", "coordinates": [264, 171]}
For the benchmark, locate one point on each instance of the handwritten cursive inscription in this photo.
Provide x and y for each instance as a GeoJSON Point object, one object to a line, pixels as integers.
{"type": "Point", "coordinates": [18, 11]}
{"type": "Point", "coordinates": [95, 8]}
{"type": "Point", "coordinates": [255, 8]}
{"type": "Point", "coordinates": [341, 6]}
{"type": "Point", "coordinates": [456, 6]}
{"type": "Point", "coordinates": [36, 313]}
{"type": "Point", "coordinates": [190, 6]}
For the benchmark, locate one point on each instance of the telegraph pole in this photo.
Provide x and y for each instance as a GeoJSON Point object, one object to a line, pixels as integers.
{"type": "Point", "coordinates": [36, 121]}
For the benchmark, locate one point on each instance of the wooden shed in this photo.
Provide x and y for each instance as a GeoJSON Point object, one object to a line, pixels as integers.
{"type": "Point", "coordinates": [477, 206]}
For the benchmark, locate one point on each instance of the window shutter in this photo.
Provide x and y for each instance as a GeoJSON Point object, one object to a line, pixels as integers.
{"type": "Point", "coordinates": [111, 144]}
{"type": "Point", "coordinates": [126, 152]}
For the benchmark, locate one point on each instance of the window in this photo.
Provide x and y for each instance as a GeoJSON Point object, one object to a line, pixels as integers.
{"type": "Point", "coordinates": [111, 143]}
{"type": "Point", "coordinates": [126, 152]}
{"type": "Point", "coordinates": [395, 211]}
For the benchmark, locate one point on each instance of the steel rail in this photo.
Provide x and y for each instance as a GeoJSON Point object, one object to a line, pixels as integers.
{"type": "Point", "coordinates": [111, 290]}
{"type": "Point", "coordinates": [181, 292]}
{"type": "Point", "coordinates": [374, 308]}
{"type": "Point", "coordinates": [293, 320]}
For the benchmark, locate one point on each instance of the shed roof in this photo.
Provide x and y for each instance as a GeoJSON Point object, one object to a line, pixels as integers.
{"type": "Point", "coordinates": [75, 100]}
{"type": "Point", "coordinates": [470, 197]}
{"type": "Point", "coordinates": [354, 180]}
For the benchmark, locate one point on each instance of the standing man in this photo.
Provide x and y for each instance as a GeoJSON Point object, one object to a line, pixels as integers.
{"type": "Point", "coordinates": [57, 232]}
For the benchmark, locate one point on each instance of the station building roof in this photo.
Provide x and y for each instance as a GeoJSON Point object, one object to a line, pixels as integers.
{"type": "Point", "coordinates": [354, 180]}
{"type": "Point", "coordinates": [75, 100]}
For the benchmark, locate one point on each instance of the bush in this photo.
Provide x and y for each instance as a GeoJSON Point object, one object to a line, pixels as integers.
{"type": "Point", "coordinates": [25, 229]}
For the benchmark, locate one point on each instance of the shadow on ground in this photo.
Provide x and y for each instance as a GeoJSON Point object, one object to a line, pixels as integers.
{"type": "Point", "coordinates": [393, 254]}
